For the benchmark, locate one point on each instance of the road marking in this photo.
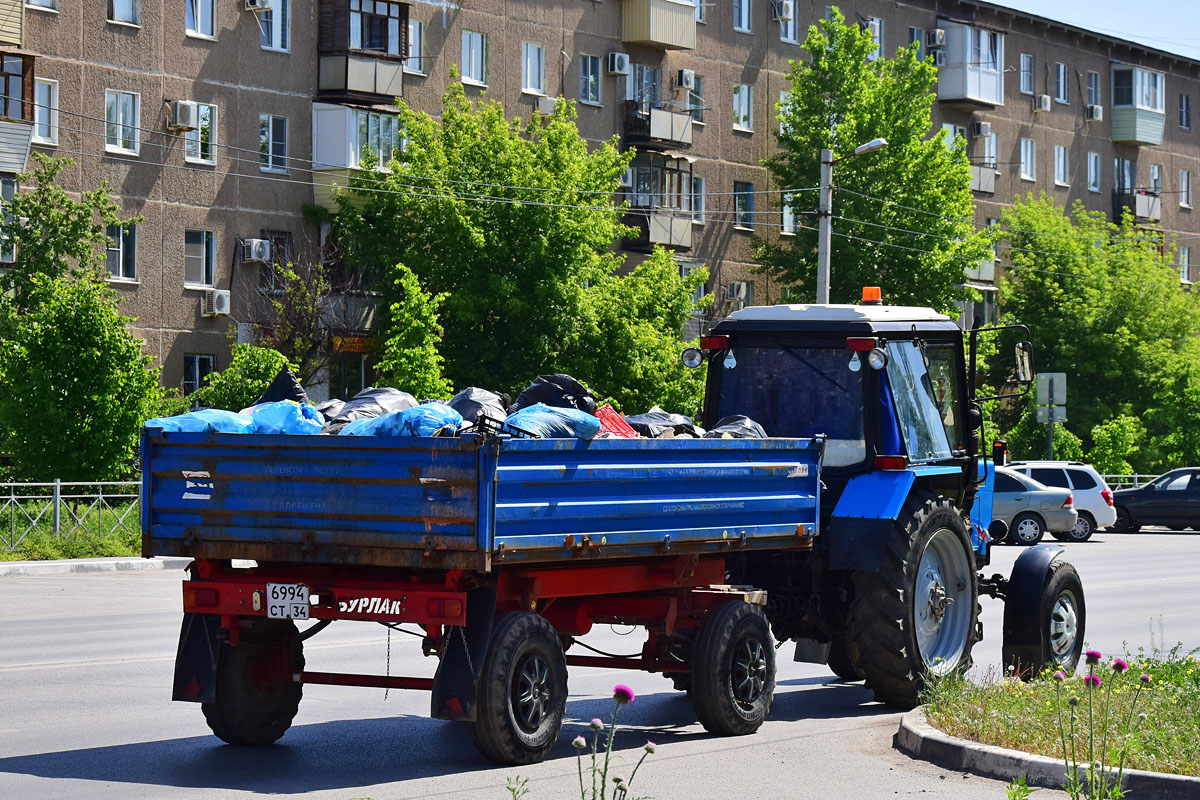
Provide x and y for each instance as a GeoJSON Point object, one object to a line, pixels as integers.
{"type": "Point", "coordinates": [1149, 582]}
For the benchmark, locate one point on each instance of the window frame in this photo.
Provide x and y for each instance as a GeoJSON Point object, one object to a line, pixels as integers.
{"type": "Point", "coordinates": [1185, 264]}
{"type": "Point", "coordinates": [193, 137]}
{"type": "Point", "coordinates": [209, 267]}
{"type": "Point", "coordinates": [1031, 174]}
{"type": "Point", "coordinates": [1185, 188]}
{"type": "Point", "coordinates": [1093, 175]}
{"type": "Point", "coordinates": [135, 8]}
{"type": "Point", "coordinates": [747, 90]}
{"type": "Point", "coordinates": [124, 240]}
{"type": "Point", "coordinates": [50, 108]}
{"type": "Point", "coordinates": [277, 27]}
{"type": "Point", "coordinates": [197, 379]}
{"type": "Point", "coordinates": [358, 23]}
{"type": "Point", "coordinates": [1062, 165]}
{"type": "Point", "coordinates": [743, 12]}
{"type": "Point", "coordinates": [268, 156]}
{"type": "Point", "coordinates": [743, 218]}
{"type": "Point", "coordinates": [469, 38]}
{"type": "Point", "coordinates": [696, 107]}
{"type": "Point", "coordinates": [8, 190]}
{"type": "Point", "coordinates": [194, 9]}
{"type": "Point", "coordinates": [787, 214]}
{"type": "Point", "coordinates": [1141, 79]}
{"type": "Point", "coordinates": [1095, 95]}
{"type": "Point", "coordinates": [135, 127]}
{"type": "Point", "coordinates": [701, 11]}
{"type": "Point", "coordinates": [1185, 111]}
{"type": "Point", "coordinates": [37, 5]}
{"type": "Point", "coordinates": [416, 47]}
{"type": "Point", "coordinates": [527, 84]}
{"type": "Point", "coordinates": [789, 30]}
{"type": "Point", "coordinates": [698, 205]}
{"type": "Point", "coordinates": [360, 115]}
{"type": "Point", "coordinates": [1062, 89]}
{"type": "Point", "coordinates": [1028, 71]}
{"type": "Point", "coordinates": [877, 53]}
{"type": "Point", "coordinates": [594, 75]}
{"type": "Point", "coordinates": [991, 151]}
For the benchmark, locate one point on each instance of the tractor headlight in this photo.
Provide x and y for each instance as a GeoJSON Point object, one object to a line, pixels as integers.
{"type": "Point", "coordinates": [692, 357]}
{"type": "Point", "coordinates": [877, 359]}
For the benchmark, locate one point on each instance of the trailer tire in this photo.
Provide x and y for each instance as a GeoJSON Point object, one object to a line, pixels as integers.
{"type": "Point", "coordinates": [522, 694]}
{"type": "Point", "coordinates": [256, 699]}
{"type": "Point", "coordinates": [733, 669]}
{"type": "Point", "coordinates": [1062, 617]}
{"type": "Point", "coordinates": [931, 554]}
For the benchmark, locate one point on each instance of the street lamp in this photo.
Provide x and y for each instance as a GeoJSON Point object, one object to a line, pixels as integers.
{"type": "Point", "coordinates": [825, 223]}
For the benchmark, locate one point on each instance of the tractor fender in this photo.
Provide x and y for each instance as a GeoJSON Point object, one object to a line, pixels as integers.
{"type": "Point", "coordinates": [866, 514]}
{"type": "Point", "coordinates": [196, 659]}
{"type": "Point", "coordinates": [1023, 595]}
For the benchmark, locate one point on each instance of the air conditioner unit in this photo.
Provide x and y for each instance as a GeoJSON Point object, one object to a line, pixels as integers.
{"type": "Point", "coordinates": [1041, 102]}
{"type": "Point", "coordinates": [216, 303]}
{"type": "Point", "coordinates": [939, 58]}
{"type": "Point", "coordinates": [617, 64]}
{"type": "Point", "coordinates": [260, 5]}
{"type": "Point", "coordinates": [935, 38]}
{"type": "Point", "coordinates": [686, 79]}
{"type": "Point", "coordinates": [256, 250]}
{"type": "Point", "coordinates": [545, 105]}
{"type": "Point", "coordinates": [783, 10]}
{"type": "Point", "coordinates": [981, 129]}
{"type": "Point", "coordinates": [627, 177]}
{"type": "Point", "coordinates": [185, 116]}
{"type": "Point", "coordinates": [1094, 113]}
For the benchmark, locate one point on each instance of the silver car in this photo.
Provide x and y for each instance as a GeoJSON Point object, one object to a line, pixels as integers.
{"type": "Point", "coordinates": [1031, 508]}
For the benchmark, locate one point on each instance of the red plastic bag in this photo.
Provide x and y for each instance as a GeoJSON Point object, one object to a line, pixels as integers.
{"type": "Point", "coordinates": [614, 423]}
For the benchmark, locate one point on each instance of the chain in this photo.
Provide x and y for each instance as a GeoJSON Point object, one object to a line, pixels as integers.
{"type": "Point", "coordinates": [462, 635]}
{"type": "Point", "coordinates": [388, 671]}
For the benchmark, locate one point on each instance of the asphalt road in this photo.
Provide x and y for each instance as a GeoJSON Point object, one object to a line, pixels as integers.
{"type": "Point", "coordinates": [85, 671]}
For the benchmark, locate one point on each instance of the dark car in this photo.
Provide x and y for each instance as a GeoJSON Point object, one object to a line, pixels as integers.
{"type": "Point", "coordinates": [1171, 500]}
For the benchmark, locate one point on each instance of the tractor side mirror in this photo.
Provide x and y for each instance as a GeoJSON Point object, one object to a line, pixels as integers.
{"type": "Point", "coordinates": [1024, 354]}
{"type": "Point", "coordinates": [974, 418]}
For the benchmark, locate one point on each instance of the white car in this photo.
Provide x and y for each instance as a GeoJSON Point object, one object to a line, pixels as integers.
{"type": "Point", "coordinates": [1093, 498]}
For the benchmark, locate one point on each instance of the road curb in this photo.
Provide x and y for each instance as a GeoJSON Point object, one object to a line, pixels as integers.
{"type": "Point", "coordinates": [78, 565]}
{"type": "Point", "coordinates": [918, 739]}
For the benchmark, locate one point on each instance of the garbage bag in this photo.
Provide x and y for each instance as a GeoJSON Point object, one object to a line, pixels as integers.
{"type": "Point", "coordinates": [655, 423]}
{"type": "Point", "coordinates": [555, 423]}
{"type": "Point", "coordinates": [370, 403]}
{"type": "Point", "coordinates": [285, 386]}
{"type": "Point", "coordinates": [285, 416]}
{"type": "Point", "coordinates": [205, 420]}
{"type": "Point", "coordinates": [736, 427]}
{"type": "Point", "coordinates": [431, 419]}
{"type": "Point", "coordinates": [474, 403]}
{"type": "Point", "coordinates": [558, 391]}
{"type": "Point", "coordinates": [331, 408]}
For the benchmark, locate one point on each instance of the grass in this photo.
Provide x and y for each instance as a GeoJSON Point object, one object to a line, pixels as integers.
{"type": "Point", "coordinates": [91, 539]}
{"type": "Point", "coordinates": [1024, 716]}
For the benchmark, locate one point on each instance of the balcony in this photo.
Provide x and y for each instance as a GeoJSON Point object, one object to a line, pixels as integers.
{"type": "Point", "coordinates": [338, 144]}
{"type": "Point", "coordinates": [666, 227]}
{"type": "Point", "coordinates": [651, 128]}
{"type": "Point", "coordinates": [1145, 205]}
{"type": "Point", "coordinates": [971, 71]}
{"type": "Point", "coordinates": [669, 24]}
{"type": "Point", "coordinates": [986, 271]}
{"type": "Point", "coordinates": [983, 178]}
{"type": "Point", "coordinates": [360, 50]}
{"type": "Point", "coordinates": [1138, 126]}
{"type": "Point", "coordinates": [364, 77]}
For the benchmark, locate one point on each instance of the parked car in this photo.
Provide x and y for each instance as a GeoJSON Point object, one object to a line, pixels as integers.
{"type": "Point", "coordinates": [1171, 500]}
{"type": "Point", "coordinates": [1093, 497]}
{"type": "Point", "coordinates": [1030, 508]}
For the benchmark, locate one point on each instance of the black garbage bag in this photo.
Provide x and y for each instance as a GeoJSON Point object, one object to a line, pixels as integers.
{"type": "Point", "coordinates": [285, 386]}
{"type": "Point", "coordinates": [370, 402]}
{"type": "Point", "coordinates": [656, 422]}
{"type": "Point", "coordinates": [556, 391]}
{"type": "Point", "coordinates": [474, 403]}
{"type": "Point", "coordinates": [736, 427]}
{"type": "Point", "coordinates": [331, 408]}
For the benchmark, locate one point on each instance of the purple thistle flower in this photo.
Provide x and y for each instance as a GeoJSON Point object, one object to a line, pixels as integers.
{"type": "Point", "coordinates": [596, 724]}
{"type": "Point", "coordinates": [1074, 701]}
{"type": "Point", "coordinates": [1145, 679]}
{"type": "Point", "coordinates": [579, 743]}
{"type": "Point", "coordinates": [1060, 676]}
{"type": "Point", "coordinates": [1120, 666]}
{"type": "Point", "coordinates": [622, 694]}
{"type": "Point", "coordinates": [1093, 656]}
{"type": "Point", "coordinates": [650, 747]}
{"type": "Point", "coordinates": [1092, 681]}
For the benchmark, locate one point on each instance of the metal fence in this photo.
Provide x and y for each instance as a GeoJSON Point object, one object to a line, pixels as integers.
{"type": "Point", "coordinates": [66, 508]}
{"type": "Point", "coordinates": [1127, 481]}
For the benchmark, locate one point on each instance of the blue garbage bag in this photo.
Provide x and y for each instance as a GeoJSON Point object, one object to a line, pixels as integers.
{"type": "Point", "coordinates": [431, 419]}
{"type": "Point", "coordinates": [285, 416]}
{"type": "Point", "coordinates": [549, 422]}
{"type": "Point", "coordinates": [205, 420]}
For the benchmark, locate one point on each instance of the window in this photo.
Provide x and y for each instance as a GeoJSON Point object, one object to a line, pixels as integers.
{"type": "Point", "coordinates": [743, 111]}
{"type": "Point", "coordinates": [697, 200]}
{"type": "Point", "coordinates": [1050, 476]}
{"type": "Point", "coordinates": [1006, 483]}
{"type": "Point", "coordinates": [8, 190]}
{"type": "Point", "coordinates": [951, 132]}
{"type": "Point", "coordinates": [16, 78]}
{"type": "Point", "coordinates": [1081, 479]}
{"type": "Point", "coordinates": [686, 269]}
{"type": "Point", "coordinates": [121, 122]}
{"type": "Point", "coordinates": [414, 63]}
{"type": "Point", "coordinates": [1093, 88]}
{"type": "Point", "coordinates": [696, 100]}
{"type": "Point", "coordinates": [788, 30]}
{"type": "Point", "coordinates": [1185, 264]}
{"type": "Point", "coordinates": [1138, 88]}
{"type": "Point", "coordinates": [589, 79]}
{"type": "Point", "coordinates": [1026, 73]}
{"type": "Point", "coordinates": [1028, 159]}
{"type": "Point", "coordinates": [743, 205]}
{"type": "Point", "coordinates": [1173, 482]}
{"type": "Point", "coordinates": [196, 369]}
{"type": "Point", "coordinates": [1093, 172]}
{"type": "Point", "coordinates": [1061, 173]}
{"type": "Point", "coordinates": [53, 4]}
{"type": "Point", "coordinates": [701, 10]}
{"type": "Point", "coordinates": [533, 68]}
{"type": "Point", "coordinates": [121, 253]}
{"type": "Point", "coordinates": [645, 87]}
{"type": "Point", "coordinates": [788, 214]}
{"type": "Point", "coordinates": [199, 255]}
{"type": "Point", "coordinates": [1156, 178]}
{"type": "Point", "coordinates": [128, 11]}
{"type": "Point", "coordinates": [1185, 111]}
{"type": "Point", "coordinates": [45, 111]}
{"type": "Point", "coordinates": [1185, 188]}
{"type": "Point", "coordinates": [875, 26]}
{"type": "Point", "coordinates": [991, 151]}
{"type": "Point", "coordinates": [375, 26]}
{"type": "Point", "coordinates": [272, 143]}
{"type": "Point", "coordinates": [783, 111]}
{"type": "Point", "coordinates": [275, 27]}
{"type": "Point", "coordinates": [917, 36]}
{"type": "Point", "coordinates": [474, 58]}
{"type": "Point", "coordinates": [741, 15]}
{"type": "Point", "coordinates": [662, 181]}
{"type": "Point", "coordinates": [200, 18]}
{"type": "Point", "coordinates": [200, 144]}
{"type": "Point", "coordinates": [377, 134]}
{"type": "Point", "coordinates": [1060, 83]}
{"type": "Point", "coordinates": [1124, 175]}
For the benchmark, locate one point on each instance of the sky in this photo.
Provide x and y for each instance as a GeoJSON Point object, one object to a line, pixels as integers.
{"type": "Point", "coordinates": [1171, 25]}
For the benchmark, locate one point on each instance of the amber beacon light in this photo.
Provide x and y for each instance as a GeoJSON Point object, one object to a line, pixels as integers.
{"type": "Point", "coordinates": [871, 296]}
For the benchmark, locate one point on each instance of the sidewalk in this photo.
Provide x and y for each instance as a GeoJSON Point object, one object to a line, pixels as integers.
{"type": "Point", "coordinates": [71, 565]}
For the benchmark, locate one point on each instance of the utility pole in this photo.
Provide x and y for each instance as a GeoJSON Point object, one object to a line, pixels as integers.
{"type": "Point", "coordinates": [824, 227]}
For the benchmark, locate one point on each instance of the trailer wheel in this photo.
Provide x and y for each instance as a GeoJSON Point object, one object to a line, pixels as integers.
{"type": "Point", "coordinates": [1062, 618]}
{"type": "Point", "coordinates": [733, 669]}
{"type": "Point", "coordinates": [839, 660]}
{"type": "Point", "coordinates": [522, 691]}
{"type": "Point", "coordinates": [919, 612]}
{"type": "Point", "coordinates": [256, 698]}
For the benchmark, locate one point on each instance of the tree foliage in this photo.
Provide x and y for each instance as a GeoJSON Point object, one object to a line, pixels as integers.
{"type": "Point", "coordinates": [918, 241]}
{"type": "Point", "coordinates": [1030, 439]}
{"type": "Point", "coordinates": [250, 372]}
{"type": "Point", "coordinates": [1115, 442]}
{"type": "Point", "coordinates": [299, 314]}
{"type": "Point", "coordinates": [410, 359]}
{"type": "Point", "coordinates": [76, 383]}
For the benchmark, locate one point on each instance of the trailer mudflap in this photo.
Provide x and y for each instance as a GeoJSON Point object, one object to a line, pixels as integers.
{"type": "Point", "coordinates": [196, 659]}
{"type": "Point", "coordinates": [454, 684]}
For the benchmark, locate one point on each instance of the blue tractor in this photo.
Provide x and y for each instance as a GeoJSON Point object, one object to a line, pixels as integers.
{"type": "Point", "coordinates": [890, 590]}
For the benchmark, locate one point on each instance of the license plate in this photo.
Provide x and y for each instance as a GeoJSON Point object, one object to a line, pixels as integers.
{"type": "Point", "coordinates": [287, 600]}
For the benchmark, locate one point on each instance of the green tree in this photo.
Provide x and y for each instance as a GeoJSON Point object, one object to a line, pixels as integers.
{"type": "Point", "coordinates": [1175, 416]}
{"type": "Point", "coordinates": [514, 262]}
{"type": "Point", "coordinates": [54, 233]}
{"type": "Point", "coordinates": [299, 307]}
{"type": "Point", "coordinates": [1115, 442]}
{"type": "Point", "coordinates": [250, 372]}
{"type": "Point", "coordinates": [917, 238]}
{"type": "Point", "coordinates": [1030, 439]}
{"type": "Point", "coordinates": [410, 358]}
{"type": "Point", "coordinates": [77, 385]}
